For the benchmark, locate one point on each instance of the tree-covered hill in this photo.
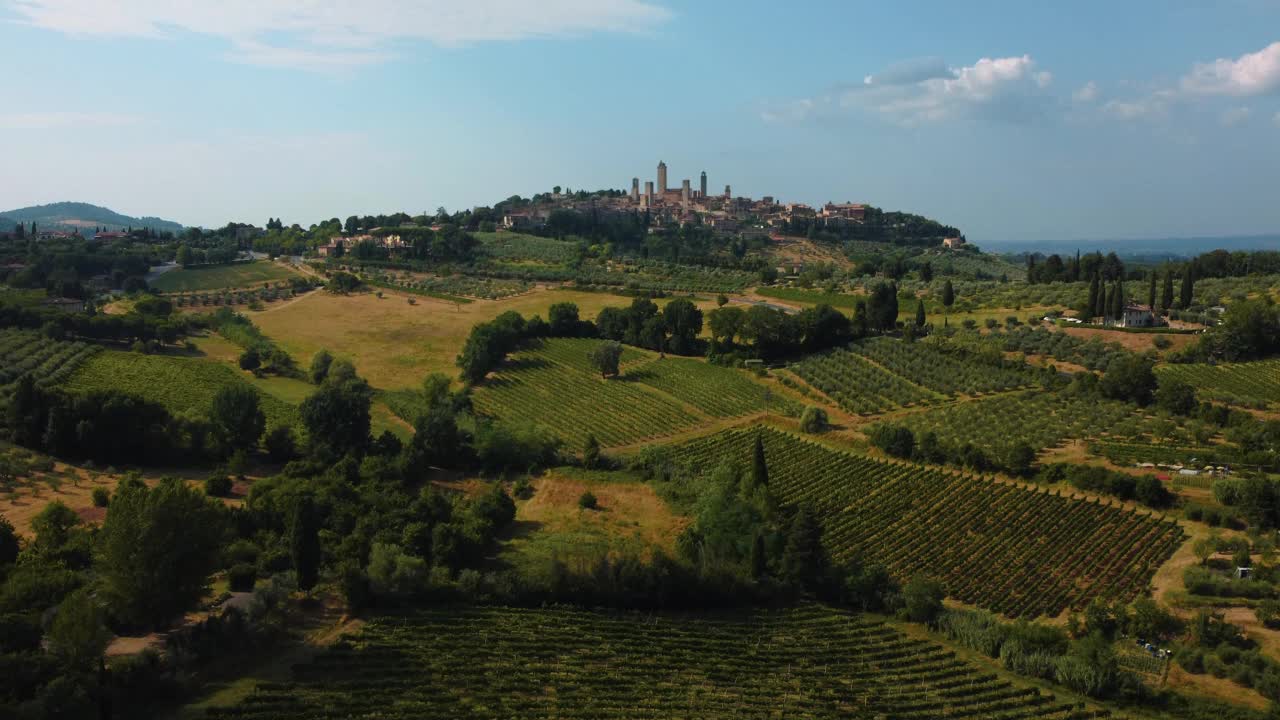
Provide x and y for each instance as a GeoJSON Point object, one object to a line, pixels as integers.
{"type": "Point", "coordinates": [71, 215]}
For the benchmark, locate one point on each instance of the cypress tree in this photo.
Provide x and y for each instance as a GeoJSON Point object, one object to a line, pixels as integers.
{"type": "Point", "coordinates": [1166, 295]}
{"type": "Point", "coordinates": [759, 470]}
{"type": "Point", "coordinates": [920, 313]}
{"type": "Point", "coordinates": [1093, 295]}
{"type": "Point", "coordinates": [1188, 283]}
{"type": "Point", "coordinates": [803, 559]}
{"type": "Point", "coordinates": [1151, 292]}
{"type": "Point", "coordinates": [1103, 302]}
{"type": "Point", "coordinates": [304, 543]}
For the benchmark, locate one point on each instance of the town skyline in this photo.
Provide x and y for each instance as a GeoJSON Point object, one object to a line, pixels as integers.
{"type": "Point", "coordinates": [1028, 123]}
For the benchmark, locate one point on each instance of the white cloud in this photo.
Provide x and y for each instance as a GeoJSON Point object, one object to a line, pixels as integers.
{"type": "Point", "coordinates": [1234, 116]}
{"type": "Point", "coordinates": [1251, 74]}
{"type": "Point", "coordinates": [324, 34]}
{"type": "Point", "coordinates": [925, 91]}
{"type": "Point", "coordinates": [1087, 93]}
{"type": "Point", "coordinates": [55, 119]}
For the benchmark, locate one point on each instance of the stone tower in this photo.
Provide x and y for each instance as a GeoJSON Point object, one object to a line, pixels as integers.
{"type": "Point", "coordinates": [662, 177]}
{"type": "Point", "coordinates": [703, 189]}
{"type": "Point", "coordinates": [648, 193]}
{"type": "Point", "coordinates": [635, 189]}
{"type": "Point", "coordinates": [684, 194]}
{"type": "Point", "coordinates": [728, 195]}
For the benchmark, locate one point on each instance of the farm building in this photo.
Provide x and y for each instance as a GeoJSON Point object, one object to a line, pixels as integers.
{"type": "Point", "coordinates": [1136, 315]}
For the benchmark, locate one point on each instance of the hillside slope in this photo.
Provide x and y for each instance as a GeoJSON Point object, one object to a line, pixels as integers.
{"type": "Point", "coordinates": [72, 215]}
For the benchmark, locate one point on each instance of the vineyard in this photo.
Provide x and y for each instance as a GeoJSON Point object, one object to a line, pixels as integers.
{"type": "Point", "coordinates": [516, 247]}
{"type": "Point", "coordinates": [554, 385]}
{"type": "Point", "coordinates": [215, 277]}
{"type": "Point", "coordinates": [1003, 547]}
{"type": "Point", "coordinates": [1251, 383]}
{"type": "Point", "coordinates": [450, 287]}
{"type": "Point", "coordinates": [857, 385]}
{"type": "Point", "coordinates": [267, 293]}
{"type": "Point", "coordinates": [1041, 419]}
{"type": "Point", "coordinates": [883, 373]}
{"type": "Point", "coordinates": [49, 362]}
{"type": "Point", "coordinates": [182, 385]}
{"type": "Point", "coordinates": [496, 662]}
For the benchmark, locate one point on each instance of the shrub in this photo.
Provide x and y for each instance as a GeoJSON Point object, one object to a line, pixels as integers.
{"type": "Point", "coordinates": [217, 485]}
{"type": "Point", "coordinates": [242, 577]}
{"type": "Point", "coordinates": [280, 444]}
{"type": "Point", "coordinates": [587, 501]}
{"type": "Point", "coordinates": [101, 497]}
{"type": "Point", "coordinates": [522, 488]}
{"type": "Point", "coordinates": [814, 420]}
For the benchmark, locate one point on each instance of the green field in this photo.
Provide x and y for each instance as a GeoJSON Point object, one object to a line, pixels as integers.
{"type": "Point", "coordinates": [497, 662]}
{"type": "Point", "coordinates": [1007, 548]}
{"type": "Point", "coordinates": [553, 385]}
{"type": "Point", "coordinates": [48, 362]}
{"type": "Point", "coordinates": [214, 277]}
{"type": "Point", "coordinates": [881, 374]}
{"type": "Point", "coordinates": [183, 385]}
{"type": "Point", "coordinates": [1039, 418]}
{"type": "Point", "coordinates": [1250, 383]}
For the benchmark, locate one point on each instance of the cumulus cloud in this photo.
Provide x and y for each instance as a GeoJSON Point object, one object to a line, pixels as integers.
{"type": "Point", "coordinates": [57, 119]}
{"type": "Point", "coordinates": [321, 34]}
{"type": "Point", "coordinates": [1251, 74]}
{"type": "Point", "coordinates": [924, 91]}
{"type": "Point", "coordinates": [1087, 93]}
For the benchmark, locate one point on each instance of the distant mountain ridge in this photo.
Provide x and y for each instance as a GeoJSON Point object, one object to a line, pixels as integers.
{"type": "Point", "coordinates": [1148, 247]}
{"type": "Point", "coordinates": [78, 215]}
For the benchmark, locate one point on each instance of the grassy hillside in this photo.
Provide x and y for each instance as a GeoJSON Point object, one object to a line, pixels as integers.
{"type": "Point", "coordinates": [181, 384]}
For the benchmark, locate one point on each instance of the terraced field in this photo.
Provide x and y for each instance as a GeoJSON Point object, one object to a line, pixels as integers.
{"type": "Point", "coordinates": [1250, 383]}
{"type": "Point", "coordinates": [494, 662]}
{"type": "Point", "coordinates": [554, 385]}
{"type": "Point", "coordinates": [1010, 549]}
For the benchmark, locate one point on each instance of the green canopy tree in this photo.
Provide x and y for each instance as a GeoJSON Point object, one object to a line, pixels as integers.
{"type": "Point", "coordinates": [237, 417]}
{"type": "Point", "coordinates": [304, 542]}
{"type": "Point", "coordinates": [156, 550]}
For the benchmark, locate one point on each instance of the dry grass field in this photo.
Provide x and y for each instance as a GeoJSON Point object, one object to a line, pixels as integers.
{"type": "Point", "coordinates": [394, 344]}
{"type": "Point", "coordinates": [629, 518]}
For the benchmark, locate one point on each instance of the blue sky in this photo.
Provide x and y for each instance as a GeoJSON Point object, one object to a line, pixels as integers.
{"type": "Point", "coordinates": [1011, 120]}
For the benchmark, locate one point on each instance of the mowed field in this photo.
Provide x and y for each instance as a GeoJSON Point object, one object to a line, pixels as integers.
{"type": "Point", "coordinates": [215, 277]}
{"type": "Point", "coordinates": [394, 344]}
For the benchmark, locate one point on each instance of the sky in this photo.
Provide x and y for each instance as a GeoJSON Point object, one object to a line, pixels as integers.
{"type": "Point", "coordinates": [1014, 121]}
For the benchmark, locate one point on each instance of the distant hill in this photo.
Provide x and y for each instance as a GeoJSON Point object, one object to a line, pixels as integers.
{"type": "Point", "coordinates": [77, 215]}
{"type": "Point", "coordinates": [6, 224]}
{"type": "Point", "coordinates": [1140, 247]}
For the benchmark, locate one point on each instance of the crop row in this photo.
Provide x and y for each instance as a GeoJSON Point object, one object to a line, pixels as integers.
{"type": "Point", "coordinates": [495, 662]}
{"type": "Point", "coordinates": [184, 386]}
{"type": "Point", "coordinates": [554, 385]}
{"type": "Point", "coordinates": [1040, 419]}
{"type": "Point", "coordinates": [49, 362]}
{"type": "Point", "coordinates": [1007, 548]}
{"type": "Point", "coordinates": [1254, 382]}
